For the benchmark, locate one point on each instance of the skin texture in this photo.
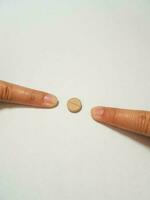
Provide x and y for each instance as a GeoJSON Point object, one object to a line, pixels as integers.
{"type": "Point", "coordinates": [137, 121]}
{"type": "Point", "coordinates": [12, 93]}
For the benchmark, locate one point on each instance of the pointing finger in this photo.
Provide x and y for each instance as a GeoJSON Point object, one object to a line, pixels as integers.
{"type": "Point", "coordinates": [132, 120]}
{"type": "Point", "coordinates": [12, 93]}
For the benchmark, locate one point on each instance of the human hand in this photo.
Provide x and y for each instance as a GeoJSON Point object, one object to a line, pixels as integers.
{"type": "Point", "coordinates": [11, 93]}
{"type": "Point", "coordinates": [137, 121]}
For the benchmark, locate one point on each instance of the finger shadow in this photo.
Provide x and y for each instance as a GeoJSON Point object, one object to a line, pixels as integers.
{"type": "Point", "coordinates": [20, 106]}
{"type": "Point", "coordinates": [9, 106]}
{"type": "Point", "coordinates": [145, 141]}
{"type": "Point", "coordinates": [13, 105]}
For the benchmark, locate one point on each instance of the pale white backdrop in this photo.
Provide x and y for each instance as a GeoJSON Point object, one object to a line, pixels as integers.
{"type": "Point", "coordinates": [98, 51]}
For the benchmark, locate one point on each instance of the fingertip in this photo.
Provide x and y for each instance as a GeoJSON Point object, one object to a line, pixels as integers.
{"type": "Point", "coordinates": [97, 113]}
{"type": "Point", "coordinates": [50, 101]}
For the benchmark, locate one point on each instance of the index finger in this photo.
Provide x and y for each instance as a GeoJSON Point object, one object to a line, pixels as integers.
{"type": "Point", "coordinates": [17, 94]}
{"type": "Point", "coordinates": [137, 121]}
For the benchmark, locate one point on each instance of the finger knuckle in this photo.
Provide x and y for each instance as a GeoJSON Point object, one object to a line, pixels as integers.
{"type": "Point", "coordinates": [114, 117]}
{"type": "Point", "coordinates": [144, 122]}
{"type": "Point", "coordinates": [32, 96]}
{"type": "Point", "coordinates": [5, 93]}
{"type": "Point", "coordinates": [35, 96]}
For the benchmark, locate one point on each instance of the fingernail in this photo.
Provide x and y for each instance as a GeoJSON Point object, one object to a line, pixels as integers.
{"type": "Point", "coordinates": [50, 101]}
{"type": "Point", "coordinates": [98, 113]}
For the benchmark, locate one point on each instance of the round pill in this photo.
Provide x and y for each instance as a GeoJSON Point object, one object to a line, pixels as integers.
{"type": "Point", "coordinates": [74, 105]}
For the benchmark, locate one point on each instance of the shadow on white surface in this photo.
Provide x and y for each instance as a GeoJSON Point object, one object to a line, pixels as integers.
{"type": "Point", "coordinates": [145, 141]}
{"type": "Point", "coordinates": [11, 105]}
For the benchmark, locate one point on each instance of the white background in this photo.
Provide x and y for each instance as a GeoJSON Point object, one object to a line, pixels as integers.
{"type": "Point", "coordinates": [98, 51]}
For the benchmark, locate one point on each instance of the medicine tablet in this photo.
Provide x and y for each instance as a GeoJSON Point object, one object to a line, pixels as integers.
{"type": "Point", "coordinates": [74, 105]}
